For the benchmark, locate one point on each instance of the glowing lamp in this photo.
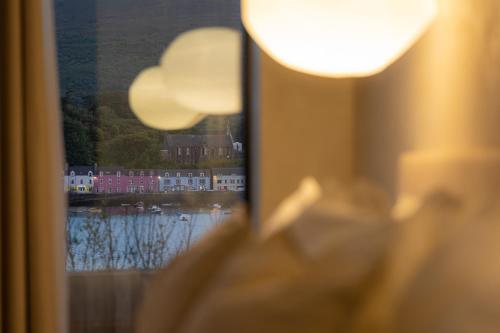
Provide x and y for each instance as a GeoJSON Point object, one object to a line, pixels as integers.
{"type": "Point", "coordinates": [202, 70]}
{"type": "Point", "coordinates": [337, 38]}
{"type": "Point", "coordinates": [151, 103]}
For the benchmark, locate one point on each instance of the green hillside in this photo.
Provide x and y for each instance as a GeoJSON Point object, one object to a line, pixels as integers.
{"type": "Point", "coordinates": [102, 46]}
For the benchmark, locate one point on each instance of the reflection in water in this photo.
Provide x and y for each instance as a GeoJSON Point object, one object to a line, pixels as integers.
{"type": "Point", "coordinates": [116, 238]}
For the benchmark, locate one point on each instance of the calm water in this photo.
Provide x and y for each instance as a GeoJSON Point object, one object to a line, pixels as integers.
{"type": "Point", "coordinates": [127, 238]}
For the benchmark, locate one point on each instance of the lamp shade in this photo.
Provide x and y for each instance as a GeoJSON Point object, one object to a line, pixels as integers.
{"type": "Point", "coordinates": [337, 38]}
{"type": "Point", "coordinates": [202, 70]}
{"type": "Point", "coordinates": [151, 103]}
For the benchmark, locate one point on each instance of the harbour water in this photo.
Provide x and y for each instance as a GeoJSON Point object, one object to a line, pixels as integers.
{"type": "Point", "coordinates": [120, 238]}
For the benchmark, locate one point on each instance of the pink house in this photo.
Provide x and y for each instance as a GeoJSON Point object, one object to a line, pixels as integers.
{"type": "Point", "coordinates": [110, 180]}
{"type": "Point", "coordinates": [142, 181]}
{"type": "Point", "coordinates": [119, 180]}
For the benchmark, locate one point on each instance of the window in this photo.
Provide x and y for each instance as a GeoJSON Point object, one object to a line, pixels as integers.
{"type": "Point", "coordinates": [219, 181]}
{"type": "Point", "coordinates": [221, 151]}
{"type": "Point", "coordinates": [102, 47]}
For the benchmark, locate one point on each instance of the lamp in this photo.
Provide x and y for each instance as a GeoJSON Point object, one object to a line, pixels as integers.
{"type": "Point", "coordinates": [337, 38]}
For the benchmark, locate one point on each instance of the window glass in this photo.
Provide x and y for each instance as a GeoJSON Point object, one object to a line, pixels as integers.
{"type": "Point", "coordinates": [119, 227]}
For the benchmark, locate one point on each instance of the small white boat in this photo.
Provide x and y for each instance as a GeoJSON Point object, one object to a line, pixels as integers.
{"type": "Point", "coordinates": [155, 210]}
{"type": "Point", "coordinates": [95, 210]}
{"type": "Point", "coordinates": [125, 205]}
{"type": "Point", "coordinates": [185, 217]}
{"type": "Point", "coordinates": [217, 206]}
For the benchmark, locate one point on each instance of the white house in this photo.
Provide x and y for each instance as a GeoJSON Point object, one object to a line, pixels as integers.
{"type": "Point", "coordinates": [228, 179]}
{"type": "Point", "coordinates": [238, 147]}
{"type": "Point", "coordinates": [79, 179]}
{"type": "Point", "coordinates": [184, 180]}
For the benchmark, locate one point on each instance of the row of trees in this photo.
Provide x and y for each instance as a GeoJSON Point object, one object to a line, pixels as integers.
{"type": "Point", "coordinates": [103, 130]}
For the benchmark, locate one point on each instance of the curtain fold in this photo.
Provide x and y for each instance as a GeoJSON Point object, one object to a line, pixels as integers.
{"type": "Point", "coordinates": [32, 201]}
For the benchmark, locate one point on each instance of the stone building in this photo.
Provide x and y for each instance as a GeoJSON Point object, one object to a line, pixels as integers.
{"type": "Point", "coordinates": [188, 149]}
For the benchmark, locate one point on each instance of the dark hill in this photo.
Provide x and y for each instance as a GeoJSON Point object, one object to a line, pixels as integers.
{"type": "Point", "coordinates": [103, 44]}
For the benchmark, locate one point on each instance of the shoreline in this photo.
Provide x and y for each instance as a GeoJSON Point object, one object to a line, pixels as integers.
{"type": "Point", "coordinates": [179, 199]}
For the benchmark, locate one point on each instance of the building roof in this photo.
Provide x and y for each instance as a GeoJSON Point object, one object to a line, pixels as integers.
{"type": "Point", "coordinates": [125, 172]}
{"type": "Point", "coordinates": [228, 171]}
{"type": "Point", "coordinates": [80, 170]}
{"type": "Point", "coordinates": [209, 140]}
{"type": "Point", "coordinates": [147, 172]}
{"type": "Point", "coordinates": [186, 172]}
{"type": "Point", "coordinates": [110, 170]}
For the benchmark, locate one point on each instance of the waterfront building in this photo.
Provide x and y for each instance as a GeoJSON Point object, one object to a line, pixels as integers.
{"type": "Point", "coordinates": [185, 180]}
{"type": "Point", "coordinates": [119, 180]}
{"type": "Point", "coordinates": [228, 179]}
{"type": "Point", "coordinates": [142, 181]}
{"type": "Point", "coordinates": [110, 180]}
{"type": "Point", "coordinates": [79, 179]}
{"type": "Point", "coordinates": [186, 149]}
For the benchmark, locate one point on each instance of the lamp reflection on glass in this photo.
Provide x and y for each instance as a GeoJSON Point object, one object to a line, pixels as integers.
{"type": "Point", "coordinates": [337, 38]}
{"type": "Point", "coordinates": [151, 103]}
{"type": "Point", "coordinates": [202, 70]}
{"type": "Point", "coordinates": [199, 75]}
